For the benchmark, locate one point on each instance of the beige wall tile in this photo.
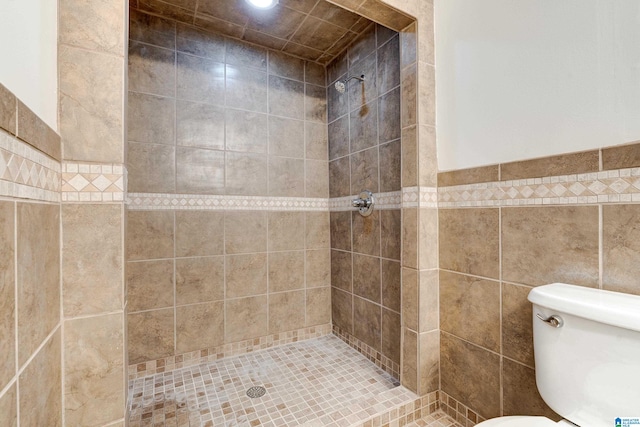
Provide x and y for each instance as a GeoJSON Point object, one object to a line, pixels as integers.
{"type": "Point", "coordinates": [285, 136]}
{"type": "Point", "coordinates": [366, 233]}
{"type": "Point", "coordinates": [391, 331]}
{"type": "Point", "coordinates": [428, 161]}
{"type": "Point", "coordinates": [429, 361]}
{"type": "Point", "coordinates": [340, 224]}
{"type": "Point", "coordinates": [391, 289]}
{"type": "Point", "coordinates": [521, 395]}
{"type": "Point", "coordinates": [40, 386]}
{"type": "Point", "coordinates": [316, 141]}
{"type": "Point", "coordinates": [199, 79]}
{"type": "Point", "coordinates": [286, 177]}
{"type": "Point", "coordinates": [469, 241]}
{"type": "Point", "coordinates": [200, 125]}
{"type": "Point", "coordinates": [199, 326]}
{"type": "Point", "coordinates": [341, 270]}
{"type": "Point", "coordinates": [150, 335]}
{"type": "Point", "coordinates": [151, 168]}
{"type": "Point", "coordinates": [149, 285]}
{"type": "Point", "coordinates": [390, 170]}
{"type": "Point", "coordinates": [410, 237]}
{"type": "Point", "coordinates": [150, 235]}
{"type": "Point", "coordinates": [316, 178]}
{"type": "Point", "coordinates": [246, 275]}
{"type": "Point", "coordinates": [317, 228]}
{"type": "Point", "coordinates": [366, 277]}
{"type": "Point", "coordinates": [8, 109]}
{"type": "Point", "coordinates": [318, 306]}
{"type": "Point", "coordinates": [470, 309]}
{"type": "Point", "coordinates": [318, 268]}
{"type": "Point", "coordinates": [38, 274]}
{"type": "Point", "coordinates": [92, 25]}
{"type": "Point", "coordinates": [624, 156]}
{"type": "Point", "coordinates": [468, 176]}
{"type": "Point", "coordinates": [390, 232]}
{"type": "Point", "coordinates": [339, 177]}
{"type": "Point", "coordinates": [410, 156]}
{"type": "Point", "coordinates": [246, 174]}
{"type": "Point", "coordinates": [91, 105]}
{"type": "Point", "coordinates": [246, 318]}
{"type": "Point", "coordinates": [620, 248]}
{"type": "Point", "coordinates": [9, 407]}
{"type": "Point", "coordinates": [245, 232]}
{"type": "Point", "coordinates": [315, 103]}
{"type": "Point", "coordinates": [409, 106]}
{"type": "Point", "coordinates": [247, 131]}
{"type": "Point", "coordinates": [517, 326]}
{"type": "Point", "coordinates": [7, 296]}
{"type": "Point", "coordinates": [427, 95]}
{"type": "Point", "coordinates": [550, 244]}
{"type": "Point", "coordinates": [564, 164]}
{"type": "Point", "coordinates": [368, 327]}
{"type": "Point", "coordinates": [151, 118]}
{"type": "Point", "coordinates": [199, 171]}
{"type": "Point", "coordinates": [151, 29]}
{"type": "Point", "coordinates": [470, 374]}
{"type": "Point", "coordinates": [199, 43]}
{"type": "Point", "coordinates": [338, 134]}
{"type": "Point", "coordinates": [363, 127]}
{"type": "Point", "coordinates": [410, 305]}
{"type": "Point", "coordinates": [284, 231]}
{"type": "Point", "coordinates": [364, 171]}
{"type": "Point", "coordinates": [152, 69]}
{"type": "Point", "coordinates": [37, 133]}
{"type": "Point", "coordinates": [92, 259]}
{"type": "Point", "coordinates": [428, 238]}
{"type": "Point", "coordinates": [94, 370]}
{"type": "Point", "coordinates": [429, 300]}
{"type": "Point", "coordinates": [199, 233]}
{"type": "Point", "coordinates": [342, 309]}
{"type": "Point", "coordinates": [286, 271]}
{"type": "Point", "coordinates": [199, 280]}
{"type": "Point", "coordinates": [286, 311]}
{"type": "Point", "coordinates": [409, 364]}
{"type": "Point", "coordinates": [388, 61]}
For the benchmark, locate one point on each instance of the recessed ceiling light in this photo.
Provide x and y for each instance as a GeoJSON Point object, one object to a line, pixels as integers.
{"type": "Point", "coordinates": [263, 4]}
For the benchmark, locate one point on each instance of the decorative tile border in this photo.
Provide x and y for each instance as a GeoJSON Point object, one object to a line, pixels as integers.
{"type": "Point", "coordinates": [614, 186]}
{"type": "Point", "coordinates": [27, 173]}
{"type": "Point", "coordinates": [158, 201]}
{"type": "Point", "coordinates": [458, 411]}
{"type": "Point", "coordinates": [208, 355]}
{"type": "Point", "coordinates": [83, 182]}
{"type": "Point", "coordinates": [380, 360]}
{"type": "Point", "coordinates": [420, 197]}
{"type": "Point", "coordinates": [390, 200]}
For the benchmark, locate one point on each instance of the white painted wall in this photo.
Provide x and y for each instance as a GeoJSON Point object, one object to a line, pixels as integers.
{"type": "Point", "coordinates": [519, 79]}
{"type": "Point", "coordinates": [28, 54]}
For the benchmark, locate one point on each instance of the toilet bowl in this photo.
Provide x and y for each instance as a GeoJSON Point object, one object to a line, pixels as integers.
{"type": "Point", "coordinates": [587, 354]}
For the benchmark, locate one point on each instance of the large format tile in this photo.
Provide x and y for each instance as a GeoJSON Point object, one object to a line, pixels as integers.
{"type": "Point", "coordinates": [150, 335]}
{"type": "Point", "coordinates": [246, 275]}
{"type": "Point", "coordinates": [199, 171]}
{"type": "Point", "coordinates": [366, 277]}
{"type": "Point", "coordinates": [318, 311]}
{"type": "Point", "coordinates": [246, 318]}
{"type": "Point", "coordinates": [151, 168]}
{"type": "Point", "coordinates": [246, 174]}
{"type": "Point", "coordinates": [7, 294]}
{"type": "Point", "coordinates": [550, 244]}
{"type": "Point", "coordinates": [150, 235]}
{"type": "Point", "coordinates": [470, 309]}
{"type": "Point", "coordinates": [245, 232]}
{"type": "Point", "coordinates": [199, 280]}
{"type": "Point", "coordinates": [152, 69]}
{"type": "Point", "coordinates": [368, 327]}
{"type": "Point", "coordinates": [199, 326]}
{"type": "Point", "coordinates": [91, 103]}
{"type": "Point", "coordinates": [9, 406]}
{"type": "Point", "coordinates": [342, 309]}
{"type": "Point", "coordinates": [470, 374]}
{"type": "Point", "coordinates": [620, 248]}
{"type": "Point", "coordinates": [94, 369]}
{"type": "Point", "coordinates": [93, 25]}
{"type": "Point", "coordinates": [199, 79]}
{"type": "Point", "coordinates": [517, 324]}
{"type": "Point", "coordinates": [469, 241]}
{"type": "Point", "coordinates": [149, 285]}
{"type": "Point", "coordinates": [151, 118]}
{"type": "Point", "coordinates": [40, 385]}
{"type": "Point", "coordinates": [366, 233]}
{"type": "Point", "coordinates": [199, 233]}
{"type": "Point", "coordinates": [284, 230]}
{"type": "Point", "coordinates": [286, 271]}
{"type": "Point", "coordinates": [200, 125]}
{"type": "Point", "coordinates": [286, 311]}
{"type": "Point", "coordinates": [318, 268]}
{"type": "Point", "coordinates": [38, 275]}
{"type": "Point", "coordinates": [246, 131]}
{"type": "Point", "coordinates": [520, 394]}
{"type": "Point", "coordinates": [92, 259]}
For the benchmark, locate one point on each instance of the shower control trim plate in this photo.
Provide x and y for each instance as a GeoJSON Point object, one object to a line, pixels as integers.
{"type": "Point", "coordinates": [364, 203]}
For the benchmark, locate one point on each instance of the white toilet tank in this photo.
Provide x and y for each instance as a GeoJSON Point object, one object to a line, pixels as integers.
{"type": "Point", "coordinates": [588, 369]}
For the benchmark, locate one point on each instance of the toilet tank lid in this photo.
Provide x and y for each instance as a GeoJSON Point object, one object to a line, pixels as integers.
{"type": "Point", "coordinates": [612, 308]}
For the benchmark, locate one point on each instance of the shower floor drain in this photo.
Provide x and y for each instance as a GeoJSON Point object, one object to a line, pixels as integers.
{"type": "Point", "coordinates": [255, 392]}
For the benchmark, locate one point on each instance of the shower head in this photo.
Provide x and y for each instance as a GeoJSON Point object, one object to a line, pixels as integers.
{"type": "Point", "coordinates": [341, 85]}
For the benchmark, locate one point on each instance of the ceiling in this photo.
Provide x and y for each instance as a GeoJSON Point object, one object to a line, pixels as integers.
{"type": "Point", "coordinates": [315, 30]}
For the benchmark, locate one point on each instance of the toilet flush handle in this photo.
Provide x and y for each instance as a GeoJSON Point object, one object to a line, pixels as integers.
{"type": "Point", "coordinates": [555, 320]}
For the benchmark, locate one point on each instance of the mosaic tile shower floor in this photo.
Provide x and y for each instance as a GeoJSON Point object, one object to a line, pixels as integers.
{"type": "Point", "coordinates": [315, 382]}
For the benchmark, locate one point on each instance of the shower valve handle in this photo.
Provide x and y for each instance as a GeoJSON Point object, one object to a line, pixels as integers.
{"type": "Point", "coordinates": [364, 203]}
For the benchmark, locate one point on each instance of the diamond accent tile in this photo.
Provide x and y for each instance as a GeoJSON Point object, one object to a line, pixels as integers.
{"type": "Point", "coordinates": [92, 182]}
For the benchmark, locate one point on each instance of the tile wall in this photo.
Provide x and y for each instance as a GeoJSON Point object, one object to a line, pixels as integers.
{"type": "Point", "coordinates": [571, 220]}
{"type": "Point", "coordinates": [214, 117]}
{"type": "Point", "coordinates": [30, 318]}
{"type": "Point", "coordinates": [364, 154]}
{"type": "Point", "coordinates": [91, 111]}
